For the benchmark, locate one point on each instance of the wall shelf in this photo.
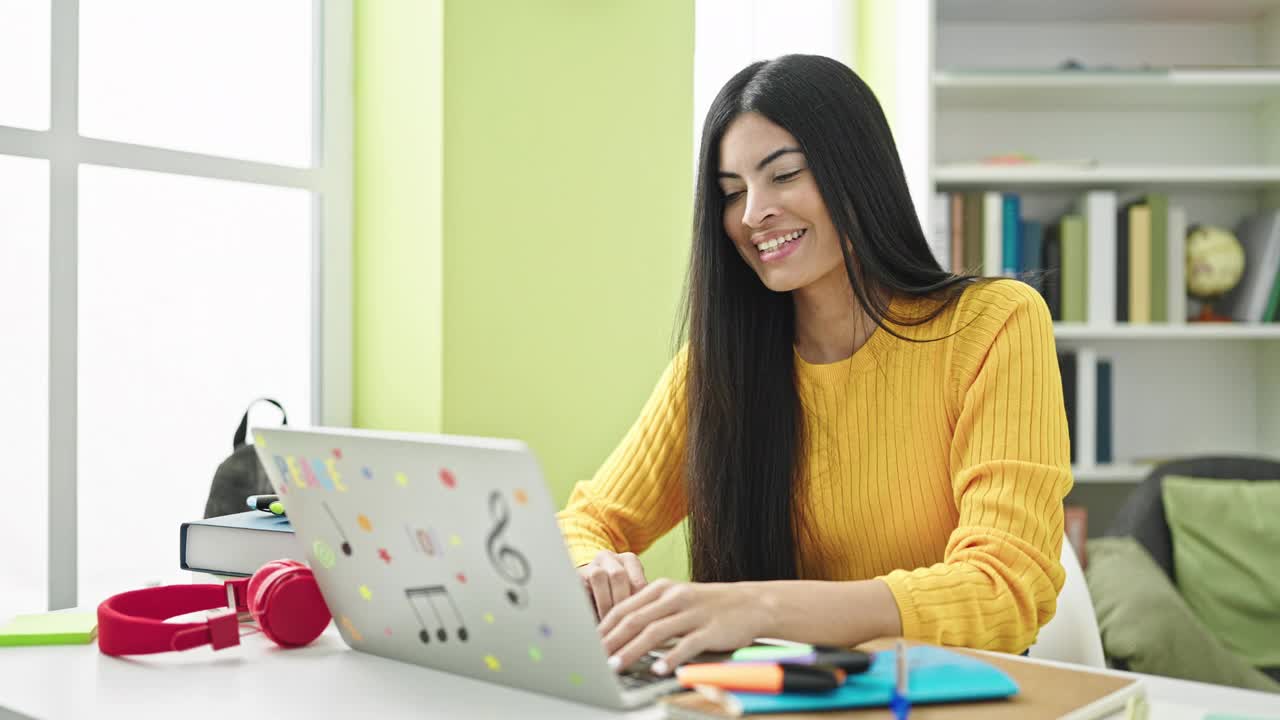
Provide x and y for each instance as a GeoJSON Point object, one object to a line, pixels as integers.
{"type": "Point", "coordinates": [978, 175]}
{"type": "Point", "coordinates": [1190, 331]}
{"type": "Point", "coordinates": [1112, 474]}
{"type": "Point", "coordinates": [1052, 89]}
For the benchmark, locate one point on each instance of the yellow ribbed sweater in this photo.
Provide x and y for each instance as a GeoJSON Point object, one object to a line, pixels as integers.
{"type": "Point", "coordinates": [938, 467]}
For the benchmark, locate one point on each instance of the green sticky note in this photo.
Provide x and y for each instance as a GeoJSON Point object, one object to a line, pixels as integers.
{"type": "Point", "coordinates": [771, 652]}
{"type": "Point", "coordinates": [57, 628]}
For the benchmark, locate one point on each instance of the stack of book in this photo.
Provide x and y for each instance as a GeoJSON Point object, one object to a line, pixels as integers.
{"type": "Point", "coordinates": [1104, 261]}
{"type": "Point", "coordinates": [236, 545]}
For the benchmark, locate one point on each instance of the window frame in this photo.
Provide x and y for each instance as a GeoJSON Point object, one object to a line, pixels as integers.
{"type": "Point", "coordinates": [329, 179]}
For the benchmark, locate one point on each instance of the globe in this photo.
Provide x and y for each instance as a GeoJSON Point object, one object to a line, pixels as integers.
{"type": "Point", "coordinates": [1215, 264]}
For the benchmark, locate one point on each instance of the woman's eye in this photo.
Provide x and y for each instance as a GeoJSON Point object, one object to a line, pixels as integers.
{"type": "Point", "coordinates": [788, 176]}
{"type": "Point", "coordinates": [731, 196]}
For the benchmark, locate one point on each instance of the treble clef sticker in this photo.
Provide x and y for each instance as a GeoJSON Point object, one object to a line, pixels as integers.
{"type": "Point", "coordinates": [509, 562]}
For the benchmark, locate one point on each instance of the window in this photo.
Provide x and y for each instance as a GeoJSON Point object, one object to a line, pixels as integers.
{"type": "Point", "coordinates": [174, 242]}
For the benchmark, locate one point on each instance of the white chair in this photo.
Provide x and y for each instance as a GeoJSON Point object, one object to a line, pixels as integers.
{"type": "Point", "coordinates": [1072, 635]}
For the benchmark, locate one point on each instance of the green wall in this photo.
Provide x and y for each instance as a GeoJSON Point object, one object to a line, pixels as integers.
{"type": "Point", "coordinates": [398, 246]}
{"type": "Point", "coordinates": [518, 275]}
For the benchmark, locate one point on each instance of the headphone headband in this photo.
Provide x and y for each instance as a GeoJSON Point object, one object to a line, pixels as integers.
{"type": "Point", "coordinates": [132, 623]}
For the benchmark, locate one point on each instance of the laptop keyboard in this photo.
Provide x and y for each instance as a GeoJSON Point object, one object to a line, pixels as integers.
{"type": "Point", "coordinates": [639, 675]}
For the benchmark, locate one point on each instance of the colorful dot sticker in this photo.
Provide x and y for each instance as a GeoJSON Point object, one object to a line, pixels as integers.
{"type": "Point", "coordinates": [492, 663]}
{"type": "Point", "coordinates": [545, 630]}
{"type": "Point", "coordinates": [386, 631]}
{"type": "Point", "coordinates": [455, 540]}
{"type": "Point", "coordinates": [366, 472]}
{"type": "Point", "coordinates": [462, 578]}
{"type": "Point", "coordinates": [535, 654]}
{"type": "Point", "coordinates": [448, 479]}
{"type": "Point", "coordinates": [260, 441]}
{"type": "Point", "coordinates": [351, 629]}
{"type": "Point", "coordinates": [337, 453]}
{"type": "Point", "coordinates": [386, 556]}
{"type": "Point", "coordinates": [365, 592]}
{"type": "Point", "coordinates": [575, 678]}
{"type": "Point", "coordinates": [402, 480]}
{"type": "Point", "coordinates": [522, 498]}
{"type": "Point", "coordinates": [488, 617]}
{"type": "Point", "coordinates": [364, 523]}
{"type": "Point", "coordinates": [324, 554]}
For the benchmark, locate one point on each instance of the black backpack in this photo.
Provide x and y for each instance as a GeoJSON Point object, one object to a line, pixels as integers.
{"type": "Point", "coordinates": [240, 475]}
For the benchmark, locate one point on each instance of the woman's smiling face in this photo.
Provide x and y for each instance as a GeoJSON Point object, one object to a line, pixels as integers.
{"type": "Point", "coordinates": [773, 211]}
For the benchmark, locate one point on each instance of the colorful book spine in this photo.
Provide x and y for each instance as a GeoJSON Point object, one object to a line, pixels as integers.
{"type": "Point", "coordinates": [1139, 264]}
{"type": "Point", "coordinates": [992, 234]}
{"type": "Point", "coordinates": [1031, 255]}
{"type": "Point", "coordinates": [974, 205]}
{"type": "Point", "coordinates": [1075, 268]}
{"type": "Point", "coordinates": [1159, 204]}
{"type": "Point", "coordinates": [1104, 425]}
{"type": "Point", "coordinates": [1098, 208]}
{"type": "Point", "coordinates": [1011, 234]}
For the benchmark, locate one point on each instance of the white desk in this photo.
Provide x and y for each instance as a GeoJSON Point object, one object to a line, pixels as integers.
{"type": "Point", "coordinates": [327, 679]}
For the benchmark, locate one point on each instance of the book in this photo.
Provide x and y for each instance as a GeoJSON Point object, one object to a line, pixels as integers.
{"type": "Point", "coordinates": [940, 238]}
{"type": "Point", "coordinates": [1177, 253]}
{"type": "Point", "coordinates": [1098, 208]}
{"type": "Point", "coordinates": [1052, 256]}
{"type": "Point", "coordinates": [1104, 421]}
{"type": "Point", "coordinates": [1139, 264]}
{"type": "Point", "coordinates": [957, 233]}
{"type": "Point", "coordinates": [1159, 204]}
{"type": "Point", "coordinates": [973, 224]}
{"type": "Point", "coordinates": [1260, 236]}
{"type": "Point", "coordinates": [1075, 269]}
{"type": "Point", "coordinates": [1031, 258]}
{"type": "Point", "coordinates": [992, 234]}
{"type": "Point", "coordinates": [1067, 369]}
{"type": "Point", "coordinates": [1044, 691]}
{"type": "Point", "coordinates": [53, 628]}
{"type": "Point", "coordinates": [1011, 234]}
{"type": "Point", "coordinates": [1121, 270]}
{"type": "Point", "coordinates": [236, 545]}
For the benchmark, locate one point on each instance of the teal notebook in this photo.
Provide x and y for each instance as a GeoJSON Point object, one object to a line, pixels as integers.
{"type": "Point", "coordinates": [934, 676]}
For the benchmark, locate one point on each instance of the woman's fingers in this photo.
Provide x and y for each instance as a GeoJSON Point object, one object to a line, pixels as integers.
{"type": "Point", "coordinates": [629, 606]}
{"type": "Point", "coordinates": [652, 636]}
{"type": "Point", "coordinates": [684, 650]}
{"type": "Point", "coordinates": [609, 580]}
{"type": "Point", "coordinates": [635, 571]}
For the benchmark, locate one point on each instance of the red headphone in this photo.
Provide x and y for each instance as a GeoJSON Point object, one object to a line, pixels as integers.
{"type": "Point", "coordinates": [282, 596]}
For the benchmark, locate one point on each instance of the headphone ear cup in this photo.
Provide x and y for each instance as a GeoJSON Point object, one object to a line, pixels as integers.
{"type": "Point", "coordinates": [287, 604]}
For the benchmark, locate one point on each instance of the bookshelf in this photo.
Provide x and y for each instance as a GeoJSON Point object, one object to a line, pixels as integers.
{"type": "Point", "coordinates": [1180, 97]}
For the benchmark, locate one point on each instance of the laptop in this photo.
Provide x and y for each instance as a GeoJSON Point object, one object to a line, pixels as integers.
{"type": "Point", "coordinates": [443, 551]}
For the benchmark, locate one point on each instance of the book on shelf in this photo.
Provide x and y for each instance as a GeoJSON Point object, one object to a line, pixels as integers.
{"type": "Point", "coordinates": [1101, 262]}
{"type": "Point", "coordinates": [236, 545]}
{"type": "Point", "coordinates": [1250, 301]}
{"type": "Point", "coordinates": [1088, 388]}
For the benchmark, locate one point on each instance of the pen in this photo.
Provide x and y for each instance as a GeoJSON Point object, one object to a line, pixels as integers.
{"type": "Point", "coordinates": [850, 661]}
{"type": "Point", "coordinates": [899, 703]}
{"type": "Point", "coordinates": [770, 678]}
{"type": "Point", "coordinates": [265, 503]}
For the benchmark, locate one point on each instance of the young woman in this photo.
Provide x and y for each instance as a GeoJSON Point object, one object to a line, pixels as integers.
{"type": "Point", "coordinates": [864, 445]}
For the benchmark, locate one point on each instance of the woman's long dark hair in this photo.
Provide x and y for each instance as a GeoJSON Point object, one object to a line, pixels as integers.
{"type": "Point", "coordinates": [746, 434]}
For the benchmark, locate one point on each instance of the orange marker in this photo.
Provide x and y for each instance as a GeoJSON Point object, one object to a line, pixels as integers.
{"type": "Point", "coordinates": [771, 678]}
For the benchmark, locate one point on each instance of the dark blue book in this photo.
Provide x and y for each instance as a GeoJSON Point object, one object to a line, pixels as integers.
{"type": "Point", "coordinates": [1067, 367]}
{"type": "Point", "coordinates": [1011, 233]}
{"type": "Point", "coordinates": [1105, 422]}
{"type": "Point", "coordinates": [1031, 259]}
{"type": "Point", "coordinates": [236, 545]}
{"type": "Point", "coordinates": [1052, 260]}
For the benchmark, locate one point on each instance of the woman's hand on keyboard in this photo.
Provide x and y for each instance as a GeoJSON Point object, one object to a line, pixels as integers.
{"type": "Point", "coordinates": [611, 578]}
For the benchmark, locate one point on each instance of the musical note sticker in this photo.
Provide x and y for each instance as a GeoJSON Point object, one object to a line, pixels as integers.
{"type": "Point", "coordinates": [346, 546]}
{"type": "Point", "coordinates": [509, 562]}
{"type": "Point", "coordinates": [430, 593]}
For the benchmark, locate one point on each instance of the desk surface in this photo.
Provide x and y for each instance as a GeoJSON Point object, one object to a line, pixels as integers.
{"type": "Point", "coordinates": [327, 679]}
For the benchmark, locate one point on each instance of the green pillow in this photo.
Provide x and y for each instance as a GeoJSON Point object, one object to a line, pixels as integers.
{"type": "Point", "coordinates": [1148, 626]}
{"type": "Point", "coordinates": [1226, 558]}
